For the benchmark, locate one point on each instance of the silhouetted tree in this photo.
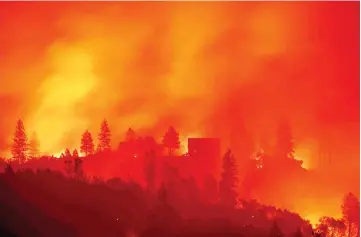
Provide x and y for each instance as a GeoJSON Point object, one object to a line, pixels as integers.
{"type": "Point", "coordinates": [284, 144]}
{"type": "Point", "coordinates": [75, 153]}
{"type": "Point", "coordinates": [229, 180]}
{"type": "Point", "coordinates": [20, 143]}
{"type": "Point", "coordinates": [67, 153]}
{"type": "Point", "coordinates": [130, 135]}
{"type": "Point", "coordinates": [330, 227]}
{"type": "Point", "coordinates": [275, 231]}
{"type": "Point", "coordinates": [149, 170]}
{"type": "Point", "coordinates": [171, 140]}
{"type": "Point", "coordinates": [104, 137]}
{"type": "Point", "coordinates": [322, 227]}
{"type": "Point", "coordinates": [87, 145]}
{"type": "Point", "coordinates": [351, 213]}
{"type": "Point", "coordinates": [34, 146]}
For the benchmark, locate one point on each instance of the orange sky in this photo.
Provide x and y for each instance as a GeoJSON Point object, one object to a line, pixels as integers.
{"type": "Point", "coordinates": [201, 67]}
{"type": "Point", "coordinates": [66, 66]}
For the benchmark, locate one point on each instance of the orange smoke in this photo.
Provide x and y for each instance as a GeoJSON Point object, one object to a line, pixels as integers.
{"type": "Point", "coordinates": [70, 65]}
{"type": "Point", "coordinates": [70, 82]}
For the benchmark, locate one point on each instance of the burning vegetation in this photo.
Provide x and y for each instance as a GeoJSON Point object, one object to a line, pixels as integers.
{"type": "Point", "coordinates": [224, 118]}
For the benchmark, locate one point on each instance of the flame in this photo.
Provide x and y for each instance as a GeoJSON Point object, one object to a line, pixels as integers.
{"type": "Point", "coordinates": [147, 69]}
{"type": "Point", "coordinates": [306, 151]}
{"type": "Point", "coordinates": [313, 218]}
{"type": "Point", "coordinates": [183, 139]}
{"type": "Point", "coordinates": [312, 208]}
{"type": "Point", "coordinates": [56, 116]}
{"type": "Point", "coordinates": [305, 161]}
{"type": "Point", "coordinates": [58, 154]}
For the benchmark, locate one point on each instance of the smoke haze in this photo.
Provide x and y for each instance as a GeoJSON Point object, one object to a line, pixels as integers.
{"type": "Point", "coordinates": [201, 67]}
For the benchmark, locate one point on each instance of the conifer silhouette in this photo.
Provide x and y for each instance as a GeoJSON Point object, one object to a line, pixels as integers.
{"type": "Point", "coordinates": [67, 153]}
{"type": "Point", "coordinates": [104, 137]}
{"type": "Point", "coordinates": [229, 181]}
{"type": "Point", "coordinates": [171, 140]}
{"type": "Point", "coordinates": [75, 153]}
{"type": "Point", "coordinates": [87, 145]}
{"type": "Point", "coordinates": [20, 143]}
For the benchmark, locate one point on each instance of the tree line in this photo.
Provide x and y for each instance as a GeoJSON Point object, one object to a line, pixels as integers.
{"type": "Point", "coordinates": [223, 193]}
{"type": "Point", "coordinates": [22, 148]}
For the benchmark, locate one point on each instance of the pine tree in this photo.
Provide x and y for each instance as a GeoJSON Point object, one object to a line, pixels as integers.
{"type": "Point", "coordinates": [284, 145]}
{"type": "Point", "coordinates": [87, 145]}
{"type": "Point", "coordinates": [229, 181]}
{"type": "Point", "coordinates": [351, 213]}
{"type": "Point", "coordinates": [171, 140]}
{"type": "Point", "coordinates": [34, 146]}
{"type": "Point", "coordinates": [75, 153]}
{"type": "Point", "coordinates": [20, 143]}
{"type": "Point", "coordinates": [104, 137]}
{"type": "Point", "coordinates": [67, 153]}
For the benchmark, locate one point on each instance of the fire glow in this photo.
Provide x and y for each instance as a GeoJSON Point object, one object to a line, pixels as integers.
{"type": "Point", "coordinates": [200, 67]}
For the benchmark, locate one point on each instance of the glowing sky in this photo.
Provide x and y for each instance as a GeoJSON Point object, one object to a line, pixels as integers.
{"type": "Point", "coordinates": [66, 66]}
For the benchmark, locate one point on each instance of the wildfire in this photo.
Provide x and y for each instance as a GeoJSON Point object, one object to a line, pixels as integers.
{"type": "Point", "coordinates": [189, 60]}
{"type": "Point", "coordinates": [183, 147]}
{"type": "Point", "coordinates": [71, 81]}
{"type": "Point", "coordinates": [305, 151]}
{"type": "Point", "coordinates": [313, 218]}
{"type": "Point", "coordinates": [305, 161]}
{"type": "Point", "coordinates": [58, 154]}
